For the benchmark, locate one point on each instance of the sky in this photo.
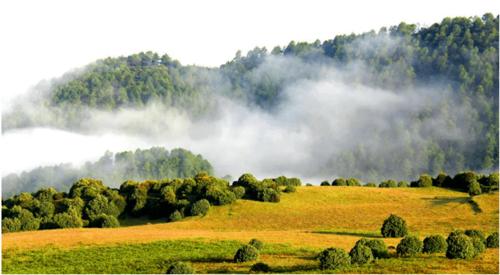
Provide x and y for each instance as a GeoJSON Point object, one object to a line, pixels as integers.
{"type": "Point", "coordinates": [44, 39]}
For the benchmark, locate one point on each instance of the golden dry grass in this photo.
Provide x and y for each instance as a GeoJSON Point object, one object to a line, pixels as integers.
{"type": "Point", "coordinates": [293, 220]}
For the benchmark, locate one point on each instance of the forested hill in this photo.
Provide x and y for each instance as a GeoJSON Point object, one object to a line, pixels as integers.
{"type": "Point", "coordinates": [154, 163]}
{"type": "Point", "coordinates": [458, 55]}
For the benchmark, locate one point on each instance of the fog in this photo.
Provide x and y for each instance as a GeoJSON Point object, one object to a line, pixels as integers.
{"type": "Point", "coordinates": [322, 115]}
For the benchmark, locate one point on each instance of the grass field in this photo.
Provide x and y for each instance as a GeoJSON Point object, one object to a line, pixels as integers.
{"type": "Point", "coordinates": [295, 230]}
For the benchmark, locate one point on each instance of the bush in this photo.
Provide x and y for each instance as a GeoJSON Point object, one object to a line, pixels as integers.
{"type": "Point", "coordinates": [105, 221]}
{"type": "Point", "coordinates": [474, 188]}
{"type": "Point", "coordinates": [68, 220]}
{"type": "Point", "coordinates": [371, 184]}
{"type": "Point", "coordinates": [339, 182]}
{"type": "Point", "coordinates": [409, 246]}
{"type": "Point", "coordinates": [11, 225]}
{"type": "Point", "coordinates": [353, 182]}
{"type": "Point", "coordinates": [175, 216]}
{"type": "Point", "coordinates": [424, 181]}
{"type": "Point", "coordinates": [442, 180]}
{"type": "Point", "coordinates": [332, 258]}
{"type": "Point", "coordinates": [473, 233]}
{"type": "Point", "coordinates": [394, 226]}
{"type": "Point", "coordinates": [246, 253]}
{"type": "Point", "coordinates": [361, 254]}
{"type": "Point", "coordinates": [269, 195]}
{"type": "Point", "coordinates": [289, 189]}
{"type": "Point", "coordinates": [309, 184]}
{"type": "Point", "coordinates": [403, 184]}
{"type": "Point", "coordinates": [260, 267]}
{"type": "Point", "coordinates": [492, 240]}
{"type": "Point", "coordinates": [388, 184]}
{"type": "Point", "coordinates": [478, 244]}
{"type": "Point", "coordinates": [180, 268]}
{"type": "Point", "coordinates": [256, 243]}
{"type": "Point", "coordinates": [200, 208]}
{"type": "Point", "coordinates": [239, 191]}
{"type": "Point", "coordinates": [434, 244]}
{"type": "Point", "coordinates": [378, 247]}
{"type": "Point", "coordinates": [324, 183]}
{"type": "Point", "coordinates": [460, 246]}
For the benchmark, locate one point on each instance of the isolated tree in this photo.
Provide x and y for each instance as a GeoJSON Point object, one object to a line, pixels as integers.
{"type": "Point", "coordinates": [394, 227]}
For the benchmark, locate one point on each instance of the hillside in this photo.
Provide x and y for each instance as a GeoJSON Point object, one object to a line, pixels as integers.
{"type": "Point", "coordinates": [294, 231]}
{"type": "Point", "coordinates": [350, 211]}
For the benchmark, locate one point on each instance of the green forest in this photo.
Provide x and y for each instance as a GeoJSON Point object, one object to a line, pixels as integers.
{"type": "Point", "coordinates": [114, 169]}
{"type": "Point", "coordinates": [459, 55]}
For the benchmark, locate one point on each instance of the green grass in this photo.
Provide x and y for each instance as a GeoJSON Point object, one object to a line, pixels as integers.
{"type": "Point", "coordinates": [216, 257]}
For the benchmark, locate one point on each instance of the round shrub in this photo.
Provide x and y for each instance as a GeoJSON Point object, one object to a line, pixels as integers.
{"type": "Point", "coordinates": [180, 268]}
{"type": "Point", "coordinates": [424, 181]}
{"type": "Point", "coordinates": [332, 258]}
{"type": "Point", "coordinates": [67, 220]}
{"type": "Point", "coordinates": [361, 254]}
{"type": "Point", "coordinates": [239, 191]}
{"type": "Point", "coordinates": [175, 216]}
{"type": "Point", "coordinates": [478, 244]}
{"type": "Point", "coordinates": [325, 183]}
{"type": "Point", "coordinates": [353, 182]}
{"type": "Point", "coordinates": [434, 244]}
{"type": "Point", "coordinates": [260, 267]}
{"type": "Point", "coordinates": [388, 184]}
{"type": "Point", "coordinates": [460, 246]}
{"type": "Point", "coordinates": [409, 246]}
{"type": "Point", "coordinates": [309, 184]}
{"type": "Point", "coordinates": [403, 184]}
{"type": "Point", "coordinates": [394, 226]}
{"type": "Point", "coordinates": [474, 188]}
{"type": "Point", "coordinates": [200, 208]}
{"type": "Point", "coordinates": [289, 189]}
{"type": "Point", "coordinates": [492, 240]}
{"type": "Point", "coordinates": [11, 225]}
{"type": "Point", "coordinates": [269, 195]}
{"type": "Point", "coordinates": [256, 243]}
{"type": "Point", "coordinates": [105, 221]}
{"type": "Point", "coordinates": [246, 253]}
{"type": "Point", "coordinates": [378, 247]}
{"type": "Point", "coordinates": [474, 233]}
{"type": "Point", "coordinates": [339, 182]}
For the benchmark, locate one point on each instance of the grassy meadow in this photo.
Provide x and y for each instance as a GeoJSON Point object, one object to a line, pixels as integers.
{"type": "Point", "coordinates": [294, 230]}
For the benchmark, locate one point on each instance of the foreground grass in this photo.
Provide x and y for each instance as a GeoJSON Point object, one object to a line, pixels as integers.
{"type": "Point", "coordinates": [216, 257]}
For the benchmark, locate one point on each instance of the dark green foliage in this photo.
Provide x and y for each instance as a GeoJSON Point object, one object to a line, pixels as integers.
{"type": "Point", "coordinates": [180, 268]}
{"type": "Point", "coordinates": [175, 216]}
{"type": "Point", "coordinates": [462, 181]}
{"type": "Point", "coordinates": [394, 227]}
{"type": "Point", "coordinates": [492, 240]}
{"type": "Point", "coordinates": [23, 217]}
{"type": "Point", "coordinates": [246, 253]}
{"type": "Point", "coordinates": [460, 246]}
{"type": "Point", "coordinates": [266, 190]}
{"type": "Point", "coordinates": [409, 246]}
{"type": "Point", "coordinates": [309, 184]}
{"type": "Point", "coordinates": [361, 254]}
{"type": "Point", "coordinates": [479, 246]}
{"type": "Point", "coordinates": [200, 208]}
{"type": "Point", "coordinates": [260, 267]}
{"type": "Point", "coordinates": [256, 243]}
{"type": "Point", "coordinates": [325, 183]}
{"type": "Point", "coordinates": [442, 180]}
{"type": "Point", "coordinates": [371, 184]}
{"type": "Point", "coordinates": [339, 182]}
{"type": "Point", "coordinates": [474, 233]}
{"type": "Point", "coordinates": [290, 189]}
{"type": "Point", "coordinates": [474, 188]}
{"type": "Point", "coordinates": [388, 184]}
{"type": "Point", "coordinates": [378, 247]}
{"type": "Point", "coordinates": [434, 244]}
{"type": "Point", "coordinates": [105, 221]}
{"type": "Point", "coordinates": [333, 258]}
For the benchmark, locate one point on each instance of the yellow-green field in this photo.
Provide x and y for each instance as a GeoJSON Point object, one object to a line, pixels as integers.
{"type": "Point", "coordinates": [310, 219]}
